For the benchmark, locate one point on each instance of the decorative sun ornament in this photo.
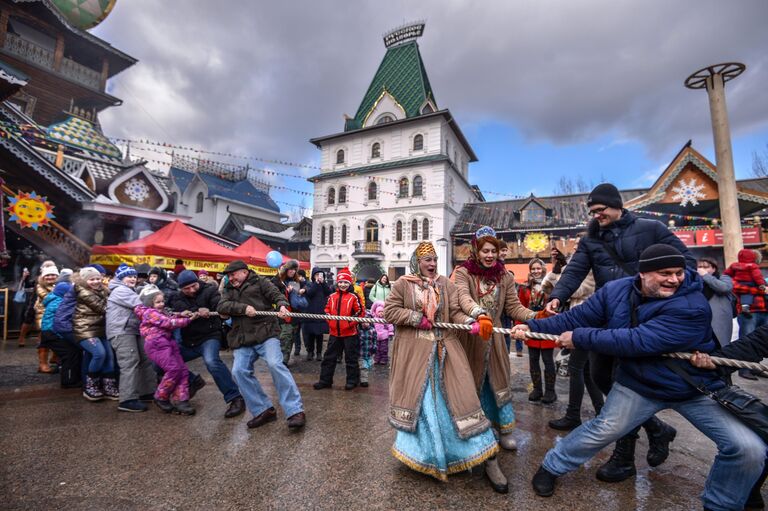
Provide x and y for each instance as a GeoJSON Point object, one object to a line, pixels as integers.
{"type": "Point", "coordinates": [136, 190]}
{"type": "Point", "coordinates": [30, 210]}
{"type": "Point", "coordinates": [688, 193]}
{"type": "Point", "coordinates": [536, 242]}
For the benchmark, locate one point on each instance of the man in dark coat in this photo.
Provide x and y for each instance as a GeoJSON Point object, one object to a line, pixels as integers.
{"type": "Point", "coordinates": [253, 337]}
{"type": "Point", "coordinates": [317, 293]}
{"type": "Point", "coordinates": [611, 249]}
{"type": "Point", "coordinates": [202, 337]}
{"type": "Point", "coordinates": [637, 319]}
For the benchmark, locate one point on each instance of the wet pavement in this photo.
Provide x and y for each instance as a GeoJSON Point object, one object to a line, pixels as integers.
{"type": "Point", "coordinates": [59, 451]}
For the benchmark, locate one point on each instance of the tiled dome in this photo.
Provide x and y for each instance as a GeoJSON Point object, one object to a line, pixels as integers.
{"type": "Point", "coordinates": [85, 14]}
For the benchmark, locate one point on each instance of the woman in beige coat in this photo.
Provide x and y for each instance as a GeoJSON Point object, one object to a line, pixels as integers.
{"type": "Point", "coordinates": [441, 428]}
{"type": "Point", "coordinates": [486, 291]}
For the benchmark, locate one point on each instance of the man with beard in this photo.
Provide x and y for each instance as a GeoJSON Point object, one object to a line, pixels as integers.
{"type": "Point", "coordinates": [637, 320]}
{"type": "Point", "coordinates": [615, 238]}
{"type": "Point", "coordinates": [203, 336]}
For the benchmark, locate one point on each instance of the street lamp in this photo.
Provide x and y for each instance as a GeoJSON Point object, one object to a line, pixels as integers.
{"type": "Point", "coordinates": [713, 78]}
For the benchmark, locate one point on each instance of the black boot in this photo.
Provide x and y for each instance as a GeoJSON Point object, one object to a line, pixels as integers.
{"type": "Point", "coordinates": [660, 435]}
{"type": "Point", "coordinates": [621, 465]}
{"type": "Point", "coordinates": [544, 483]}
{"type": "Point", "coordinates": [755, 500]}
{"type": "Point", "coordinates": [549, 388]}
{"type": "Point", "coordinates": [535, 394]}
{"type": "Point", "coordinates": [565, 424]}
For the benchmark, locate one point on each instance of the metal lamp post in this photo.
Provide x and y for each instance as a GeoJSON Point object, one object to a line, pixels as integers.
{"type": "Point", "coordinates": [713, 78]}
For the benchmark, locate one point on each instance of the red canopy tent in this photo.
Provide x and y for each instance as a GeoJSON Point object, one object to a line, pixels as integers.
{"type": "Point", "coordinates": [163, 247]}
{"type": "Point", "coordinates": [257, 251]}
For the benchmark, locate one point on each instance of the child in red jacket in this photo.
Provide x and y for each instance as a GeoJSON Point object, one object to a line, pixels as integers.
{"type": "Point", "coordinates": [747, 273]}
{"type": "Point", "coordinates": [343, 302]}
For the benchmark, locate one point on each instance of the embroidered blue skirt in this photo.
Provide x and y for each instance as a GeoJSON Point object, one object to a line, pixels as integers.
{"type": "Point", "coordinates": [435, 447]}
{"type": "Point", "coordinates": [502, 418]}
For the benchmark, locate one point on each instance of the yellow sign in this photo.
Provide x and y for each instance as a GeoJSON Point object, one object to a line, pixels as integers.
{"type": "Point", "coordinates": [170, 262]}
{"type": "Point", "coordinates": [30, 210]}
{"type": "Point", "coordinates": [536, 242]}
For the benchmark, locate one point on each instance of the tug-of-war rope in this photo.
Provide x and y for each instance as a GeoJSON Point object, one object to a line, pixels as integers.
{"type": "Point", "coordinates": [531, 335]}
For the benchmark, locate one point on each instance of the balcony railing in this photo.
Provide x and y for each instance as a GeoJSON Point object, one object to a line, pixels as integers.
{"type": "Point", "coordinates": [44, 57]}
{"type": "Point", "coordinates": [29, 50]}
{"type": "Point", "coordinates": [80, 73]}
{"type": "Point", "coordinates": [367, 247]}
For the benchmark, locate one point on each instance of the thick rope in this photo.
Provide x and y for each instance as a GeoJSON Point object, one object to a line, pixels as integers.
{"type": "Point", "coordinates": [531, 335]}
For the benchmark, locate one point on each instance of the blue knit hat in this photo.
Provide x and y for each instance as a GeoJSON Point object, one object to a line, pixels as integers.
{"type": "Point", "coordinates": [124, 271]}
{"type": "Point", "coordinates": [98, 268]}
{"type": "Point", "coordinates": [61, 288]}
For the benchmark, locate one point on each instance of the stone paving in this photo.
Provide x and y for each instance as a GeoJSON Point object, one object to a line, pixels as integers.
{"type": "Point", "coordinates": [59, 451]}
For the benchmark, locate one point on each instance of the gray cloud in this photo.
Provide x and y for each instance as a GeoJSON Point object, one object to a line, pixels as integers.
{"type": "Point", "coordinates": [261, 78]}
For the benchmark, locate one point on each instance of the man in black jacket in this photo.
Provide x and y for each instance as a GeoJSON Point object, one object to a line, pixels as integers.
{"type": "Point", "coordinates": [611, 250]}
{"type": "Point", "coordinates": [203, 337]}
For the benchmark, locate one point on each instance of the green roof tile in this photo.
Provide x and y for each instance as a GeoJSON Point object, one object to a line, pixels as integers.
{"type": "Point", "coordinates": [402, 74]}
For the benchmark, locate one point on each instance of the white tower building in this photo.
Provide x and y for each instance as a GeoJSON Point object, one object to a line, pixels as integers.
{"type": "Point", "coordinates": [396, 175]}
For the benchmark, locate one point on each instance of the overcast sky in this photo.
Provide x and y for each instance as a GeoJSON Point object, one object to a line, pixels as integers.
{"type": "Point", "coordinates": [590, 88]}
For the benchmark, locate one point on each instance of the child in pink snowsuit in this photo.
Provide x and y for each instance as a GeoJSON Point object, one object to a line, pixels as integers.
{"type": "Point", "coordinates": [383, 333]}
{"type": "Point", "coordinates": [157, 329]}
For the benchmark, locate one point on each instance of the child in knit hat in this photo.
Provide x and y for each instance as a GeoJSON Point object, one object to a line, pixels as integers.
{"type": "Point", "coordinates": [157, 326]}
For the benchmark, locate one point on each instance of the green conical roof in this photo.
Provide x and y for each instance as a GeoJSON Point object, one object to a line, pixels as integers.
{"type": "Point", "coordinates": [401, 74]}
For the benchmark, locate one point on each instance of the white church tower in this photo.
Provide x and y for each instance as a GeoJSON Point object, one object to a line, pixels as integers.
{"type": "Point", "coordinates": [396, 175]}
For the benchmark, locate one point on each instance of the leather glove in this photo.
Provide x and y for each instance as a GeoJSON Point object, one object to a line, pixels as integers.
{"type": "Point", "coordinates": [486, 326]}
{"type": "Point", "coordinates": [475, 330]}
{"type": "Point", "coordinates": [424, 324]}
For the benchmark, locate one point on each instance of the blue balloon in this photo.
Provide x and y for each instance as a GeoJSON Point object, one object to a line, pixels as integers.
{"type": "Point", "coordinates": [274, 259]}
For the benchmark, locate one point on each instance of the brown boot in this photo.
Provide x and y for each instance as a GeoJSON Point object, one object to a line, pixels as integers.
{"type": "Point", "coordinates": [42, 357]}
{"type": "Point", "coordinates": [25, 329]}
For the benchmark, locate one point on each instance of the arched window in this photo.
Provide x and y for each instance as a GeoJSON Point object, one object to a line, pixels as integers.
{"type": "Point", "coordinates": [385, 119]}
{"type": "Point", "coordinates": [340, 156]}
{"type": "Point", "coordinates": [343, 195]}
{"type": "Point", "coordinates": [199, 205]}
{"type": "Point", "coordinates": [415, 230]}
{"type": "Point", "coordinates": [418, 142]}
{"type": "Point", "coordinates": [376, 150]}
{"type": "Point", "coordinates": [427, 109]}
{"type": "Point", "coordinates": [330, 235]}
{"type": "Point", "coordinates": [322, 235]}
{"type": "Point", "coordinates": [372, 190]}
{"type": "Point", "coordinates": [399, 231]}
{"type": "Point", "coordinates": [418, 186]}
{"type": "Point", "coordinates": [344, 234]}
{"type": "Point", "coordinates": [403, 188]}
{"type": "Point", "coordinates": [331, 196]}
{"type": "Point", "coordinates": [425, 229]}
{"type": "Point", "coordinates": [371, 230]}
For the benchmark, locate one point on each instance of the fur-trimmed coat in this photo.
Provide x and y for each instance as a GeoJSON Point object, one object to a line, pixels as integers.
{"type": "Point", "coordinates": [490, 357]}
{"type": "Point", "coordinates": [413, 357]}
{"type": "Point", "coordinates": [89, 318]}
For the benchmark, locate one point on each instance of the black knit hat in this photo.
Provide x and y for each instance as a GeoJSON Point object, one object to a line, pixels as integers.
{"type": "Point", "coordinates": [605, 194]}
{"type": "Point", "coordinates": [659, 257]}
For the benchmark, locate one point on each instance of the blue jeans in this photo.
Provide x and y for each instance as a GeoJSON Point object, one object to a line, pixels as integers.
{"type": "Point", "coordinates": [209, 350]}
{"type": "Point", "coordinates": [255, 398]}
{"type": "Point", "coordinates": [749, 325]}
{"type": "Point", "coordinates": [102, 357]}
{"type": "Point", "coordinates": [740, 452]}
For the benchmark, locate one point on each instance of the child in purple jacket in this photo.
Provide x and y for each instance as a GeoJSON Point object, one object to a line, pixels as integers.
{"type": "Point", "coordinates": [172, 394]}
{"type": "Point", "coordinates": [383, 333]}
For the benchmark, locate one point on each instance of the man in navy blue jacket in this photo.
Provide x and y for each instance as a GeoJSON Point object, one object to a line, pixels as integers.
{"type": "Point", "coordinates": [637, 319]}
{"type": "Point", "coordinates": [611, 250]}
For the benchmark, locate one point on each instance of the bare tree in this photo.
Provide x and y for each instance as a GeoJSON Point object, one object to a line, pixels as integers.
{"type": "Point", "coordinates": [568, 186]}
{"type": "Point", "coordinates": [299, 211]}
{"type": "Point", "coordinates": [760, 163]}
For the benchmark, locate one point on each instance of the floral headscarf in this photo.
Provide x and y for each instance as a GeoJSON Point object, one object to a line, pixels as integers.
{"type": "Point", "coordinates": [430, 295]}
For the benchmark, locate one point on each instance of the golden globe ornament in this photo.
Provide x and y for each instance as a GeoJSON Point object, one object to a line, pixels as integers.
{"type": "Point", "coordinates": [30, 210]}
{"type": "Point", "coordinates": [536, 242]}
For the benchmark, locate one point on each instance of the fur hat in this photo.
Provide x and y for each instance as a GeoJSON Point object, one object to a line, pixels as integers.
{"type": "Point", "coordinates": [148, 294]}
{"type": "Point", "coordinates": [89, 272]}
{"type": "Point", "coordinates": [290, 264]}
